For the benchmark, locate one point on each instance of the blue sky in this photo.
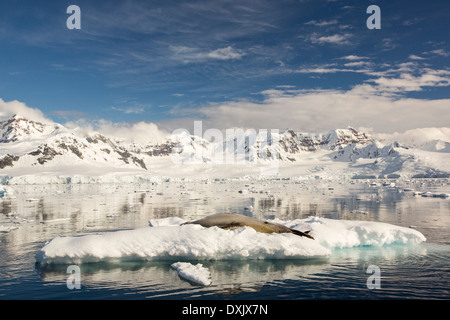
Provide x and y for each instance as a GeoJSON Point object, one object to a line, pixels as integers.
{"type": "Point", "coordinates": [308, 64]}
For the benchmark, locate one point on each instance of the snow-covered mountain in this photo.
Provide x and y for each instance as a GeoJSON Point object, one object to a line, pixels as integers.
{"type": "Point", "coordinates": [29, 147]}
{"type": "Point", "coordinates": [26, 143]}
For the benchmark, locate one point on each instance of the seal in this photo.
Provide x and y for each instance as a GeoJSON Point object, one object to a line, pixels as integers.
{"type": "Point", "coordinates": [230, 221]}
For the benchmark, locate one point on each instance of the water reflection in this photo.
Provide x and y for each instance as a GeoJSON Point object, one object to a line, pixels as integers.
{"type": "Point", "coordinates": [41, 213]}
{"type": "Point", "coordinates": [238, 276]}
{"type": "Point", "coordinates": [227, 276]}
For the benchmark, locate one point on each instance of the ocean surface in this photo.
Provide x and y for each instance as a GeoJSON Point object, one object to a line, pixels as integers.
{"type": "Point", "coordinates": [32, 215]}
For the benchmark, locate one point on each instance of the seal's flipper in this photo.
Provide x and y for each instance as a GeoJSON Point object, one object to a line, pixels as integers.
{"type": "Point", "coordinates": [302, 234]}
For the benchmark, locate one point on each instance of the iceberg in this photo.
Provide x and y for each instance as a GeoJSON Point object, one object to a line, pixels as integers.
{"type": "Point", "coordinates": [193, 273]}
{"type": "Point", "coordinates": [170, 240]}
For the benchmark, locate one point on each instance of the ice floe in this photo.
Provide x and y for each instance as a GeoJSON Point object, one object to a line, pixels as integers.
{"type": "Point", "coordinates": [168, 239]}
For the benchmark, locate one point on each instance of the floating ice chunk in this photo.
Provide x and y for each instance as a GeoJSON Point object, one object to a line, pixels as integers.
{"type": "Point", "coordinates": [196, 274]}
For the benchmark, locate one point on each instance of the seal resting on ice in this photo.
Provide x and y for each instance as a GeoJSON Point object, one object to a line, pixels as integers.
{"type": "Point", "coordinates": [231, 221]}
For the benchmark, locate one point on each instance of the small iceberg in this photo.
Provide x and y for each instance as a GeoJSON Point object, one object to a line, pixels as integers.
{"type": "Point", "coordinates": [196, 274]}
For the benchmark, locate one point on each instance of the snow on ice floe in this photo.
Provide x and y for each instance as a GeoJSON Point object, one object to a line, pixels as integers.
{"type": "Point", "coordinates": [346, 233]}
{"type": "Point", "coordinates": [168, 239]}
{"type": "Point", "coordinates": [193, 273]}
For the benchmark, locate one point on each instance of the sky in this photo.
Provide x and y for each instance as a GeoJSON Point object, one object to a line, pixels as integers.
{"type": "Point", "coordinates": [308, 65]}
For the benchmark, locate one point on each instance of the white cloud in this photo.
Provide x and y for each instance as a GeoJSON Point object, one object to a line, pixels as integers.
{"type": "Point", "coordinates": [334, 68]}
{"type": "Point", "coordinates": [358, 64]}
{"type": "Point", "coordinates": [441, 52]}
{"type": "Point", "coordinates": [379, 104]}
{"type": "Point", "coordinates": [321, 69]}
{"type": "Point", "coordinates": [9, 109]}
{"type": "Point", "coordinates": [353, 57]}
{"type": "Point", "coordinates": [339, 39]}
{"type": "Point", "coordinates": [188, 54]}
{"type": "Point", "coordinates": [322, 23]}
{"type": "Point", "coordinates": [227, 53]}
{"type": "Point", "coordinates": [129, 110]}
{"type": "Point", "coordinates": [414, 57]}
{"type": "Point", "coordinates": [417, 137]}
{"type": "Point", "coordinates": [388, 44]}
{"type": "Point", "coordinates": [140, 132]}
{"type": "Point", "coordinates": [408, 82]}
{"type": "Point", "coordinates": [130, 105]}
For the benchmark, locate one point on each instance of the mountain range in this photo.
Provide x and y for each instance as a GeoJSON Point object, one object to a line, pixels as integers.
{"type": "Point", "coordinates": [29, 147]}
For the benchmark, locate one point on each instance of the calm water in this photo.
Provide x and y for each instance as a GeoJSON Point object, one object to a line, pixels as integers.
{"type": "Point", "coordinates": [41, 213]}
